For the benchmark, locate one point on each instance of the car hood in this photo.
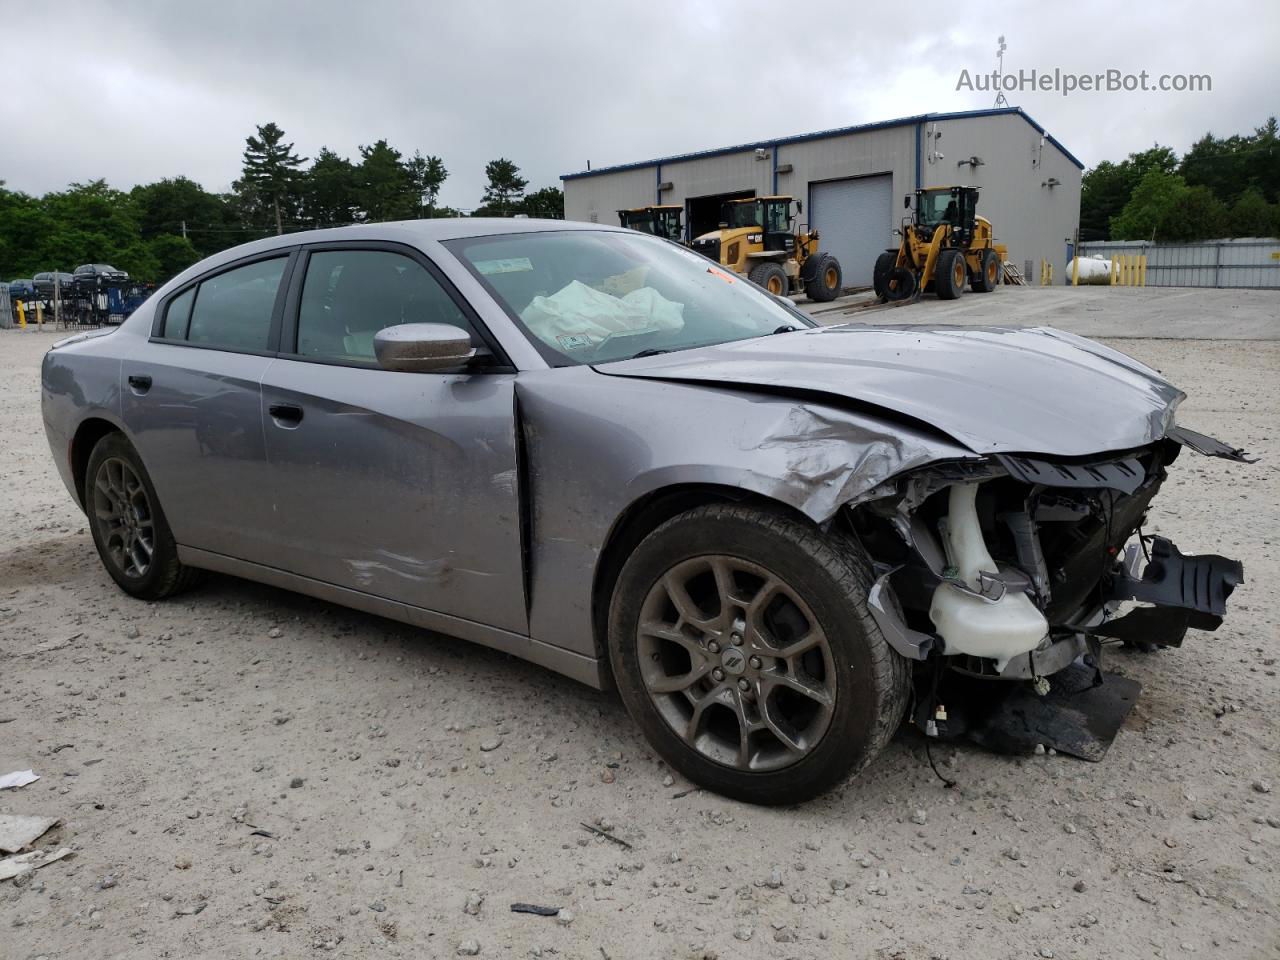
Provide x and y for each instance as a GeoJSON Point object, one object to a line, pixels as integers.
{"type": "Point", "coordinates": [993, 389]}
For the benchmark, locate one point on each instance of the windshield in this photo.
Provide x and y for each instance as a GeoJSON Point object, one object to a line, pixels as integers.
{"type": "Point", "coordinates": [587, 296]}
{"type": "Point", "coordinates": [935, 206]}
{"type": "Point", "coordinates": [745, 214]}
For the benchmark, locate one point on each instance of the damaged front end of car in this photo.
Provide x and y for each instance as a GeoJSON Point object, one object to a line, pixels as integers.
{"type": "Point", "coordinates": [1021, 568]}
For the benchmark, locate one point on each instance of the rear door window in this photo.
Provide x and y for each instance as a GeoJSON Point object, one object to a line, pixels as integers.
{"type": "Point", "coordinates": [233, 310]}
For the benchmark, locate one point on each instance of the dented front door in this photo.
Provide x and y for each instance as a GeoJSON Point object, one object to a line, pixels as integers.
{"type": "Point", "coordinates": [401, 485]}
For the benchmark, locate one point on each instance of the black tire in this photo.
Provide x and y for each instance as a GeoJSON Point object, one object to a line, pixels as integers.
{"type": "Point", "coordinates": [771, 277]}
{"type": "Point", "coordinates": [988, 277]}
{"type": "Point", "coordinates": [880, 275]}
{"type": "Point", "coordinates": [900, 284]}
{"type": "Point", "coordinates": [950, 274]}
{"type": "Point", "coordinates": [163, 575]}
{"type": "Point", "coordinates": [871, 682]}
{"type": "Point", "coordinates": [828, 280]}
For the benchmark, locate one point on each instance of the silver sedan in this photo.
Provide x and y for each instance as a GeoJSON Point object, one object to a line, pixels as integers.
{"type": "Point", "coordinates": [599, 451]}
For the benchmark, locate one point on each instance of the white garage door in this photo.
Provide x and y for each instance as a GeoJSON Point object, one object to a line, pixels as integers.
{"type": "Point", "coordinates": [855, 219]}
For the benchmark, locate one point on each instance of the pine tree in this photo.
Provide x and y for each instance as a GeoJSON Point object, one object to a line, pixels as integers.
{"type": "Point", "coordinates": [426, 176]}
{"type": "Point", "coordinates": [270, 169]}
{"type": "Point", "coordinates": [505, 189]}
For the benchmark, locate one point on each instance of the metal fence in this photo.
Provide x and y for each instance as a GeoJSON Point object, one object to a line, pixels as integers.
{"type": "Point", "coordinates": [1252, 262]}
{"type": "Point", "coordinates": [6, 311]}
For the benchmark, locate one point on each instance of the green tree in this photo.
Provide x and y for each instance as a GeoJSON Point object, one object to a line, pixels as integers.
{"type": "Point", "coordinates": [426, 176]}
{"type": "Point", "coordinates": [1251, 215]}
{"type": "Point", "coordinates": [171, 205]}
{"type": "Point", "coordinates": [1149, 212]}
{"type": "Point", "coordinates": [1197, 215]}
{"type": "Point", "coordinates": [172, 254]}
{"type": "Point", "coordinates": [329, 190]}
{"type": "Point", "coordinates": [270, 172]}
{"type": "Point", "coordinates": [547, 204]}
{"type": "Point", "coordinates": [384, 188]}
{"type": "Point", "coordinates": [1106, 188]}
{"type": "Point", "coordinates": [504, 190]}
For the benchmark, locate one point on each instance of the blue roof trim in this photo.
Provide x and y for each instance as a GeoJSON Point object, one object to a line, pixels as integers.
{"type": "Point", "coordinates": [827, 134]}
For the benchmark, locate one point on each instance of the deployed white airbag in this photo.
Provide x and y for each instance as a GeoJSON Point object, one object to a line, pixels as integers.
{"type": "Point", "coordinates": [578, 316]}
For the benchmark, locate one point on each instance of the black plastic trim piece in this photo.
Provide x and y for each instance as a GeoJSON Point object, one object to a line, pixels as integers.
{"type": "Point", "coordinates": [1125, 475]}
{"type": "Point", "coordinates": [1201, 443]}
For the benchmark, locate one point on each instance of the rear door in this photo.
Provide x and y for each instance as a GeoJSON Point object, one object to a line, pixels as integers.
{"type": "Point", "coordinates": [192, 404]}
{"type": "Point", "coordinates": [401, 485]}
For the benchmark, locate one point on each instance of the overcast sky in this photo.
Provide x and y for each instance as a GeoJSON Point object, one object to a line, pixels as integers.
{"type": "Point", "coordinates": [136, 91]}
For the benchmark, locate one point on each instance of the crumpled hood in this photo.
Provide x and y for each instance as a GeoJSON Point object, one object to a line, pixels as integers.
{"type": "Point", "coordinates": [994, 389]}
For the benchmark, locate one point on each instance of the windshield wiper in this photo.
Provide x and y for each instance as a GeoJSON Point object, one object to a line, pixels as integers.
{"type": "Point", "coordinates": [785, 328]}
{"type": "Point", "coordinates": [648, 352]}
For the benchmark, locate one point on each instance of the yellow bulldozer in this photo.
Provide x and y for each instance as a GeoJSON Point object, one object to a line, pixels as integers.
{"type": "Point", "coordinates": [662, 220]}
{"type": "Point", "coordinates": [756, 238]}
{"type": "Point", "coordinates": [944, 245]}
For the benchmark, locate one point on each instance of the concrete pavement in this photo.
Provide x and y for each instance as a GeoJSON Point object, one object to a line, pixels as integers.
{"type": "Point", "coordinates": [1160, 313]}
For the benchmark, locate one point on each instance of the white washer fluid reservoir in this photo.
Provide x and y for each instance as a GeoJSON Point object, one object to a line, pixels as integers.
{"type": "Point", "coordinates": [967, 624]}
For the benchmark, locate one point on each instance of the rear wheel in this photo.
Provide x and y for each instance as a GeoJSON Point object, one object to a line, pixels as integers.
{"type": "Point", "coordinates": [950, 274]}
{"type": "Point", "coordinates": [988, 277]}
{"type": "Point", "coordinates": [880, 275]}
{"type": "Point", "coordinates": [771, 276]}
{"type": "Point", "coordinates": [827, 281]}
{"type": "Point", "coordinates": [129, 528]}
{"type": "Point", "coordinates": [742, 645]}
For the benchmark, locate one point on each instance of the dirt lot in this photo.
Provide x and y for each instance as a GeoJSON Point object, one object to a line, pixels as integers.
{"type": "Point", "coordinates": [414, 787]}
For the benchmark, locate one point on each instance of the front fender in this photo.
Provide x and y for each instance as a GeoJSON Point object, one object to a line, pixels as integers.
{"type": "Point", "coordinates": [596, 445]}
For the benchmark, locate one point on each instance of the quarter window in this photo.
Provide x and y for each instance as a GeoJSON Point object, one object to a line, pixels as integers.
{"type": "Point", "coordinates": [349, 295]}
{"type": "Point", "coordinates": [233, 310]}
{"type": "Point", "coordinates": [176, 316]}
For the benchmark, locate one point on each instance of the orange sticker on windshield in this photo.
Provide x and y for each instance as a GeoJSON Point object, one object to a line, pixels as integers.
{"type": "Point", "coordinates": [716, 272]}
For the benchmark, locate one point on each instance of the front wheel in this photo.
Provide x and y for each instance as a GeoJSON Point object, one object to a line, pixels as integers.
{"type": "Point", "coordinates": [771, 276]}
{"type": "Point", "coordinates": [950, 275]}
{"type": "Point", "coordinates": [741, 643]}
{"type": "Point", "coordinates": [129, 528]}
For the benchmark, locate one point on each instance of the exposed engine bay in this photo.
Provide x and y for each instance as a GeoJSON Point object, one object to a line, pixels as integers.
{"type": "Point", "coordinates": [1021, 569]}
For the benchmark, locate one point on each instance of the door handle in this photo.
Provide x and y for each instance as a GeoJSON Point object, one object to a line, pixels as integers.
{"type": "Point", "coordinates": [285, 414]}
{"type": "Point", "coordinates": [140, 383]}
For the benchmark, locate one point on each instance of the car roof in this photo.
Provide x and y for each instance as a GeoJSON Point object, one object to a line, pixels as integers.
{"type": "Point", "coordinates": [450, 228]}
{"type": "Point", "coordinates": [403, 231]}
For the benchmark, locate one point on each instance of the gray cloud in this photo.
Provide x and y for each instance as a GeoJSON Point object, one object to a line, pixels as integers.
{"type": "Point", "coordinates": [160, 89]}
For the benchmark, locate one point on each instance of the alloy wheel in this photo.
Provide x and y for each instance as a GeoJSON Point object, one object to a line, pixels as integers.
{"type": "Point", "coordinates": [736, 663]}
{"type": "Point", "coordinates": [124, 518]}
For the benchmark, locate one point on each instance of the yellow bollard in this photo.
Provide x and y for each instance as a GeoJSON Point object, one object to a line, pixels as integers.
{"type": "Point", "coordinates": [40, 314]}
{"type": "Point", "coordinates": [22, 313]}
{"type": "Point", "coordinates": [1075, 271]}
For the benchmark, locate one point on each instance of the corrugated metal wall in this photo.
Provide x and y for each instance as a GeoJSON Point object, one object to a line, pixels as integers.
{"type": "Point", "coordinates": [1252, 262]}
{"type": "Point", "coordinates": [1030, 189]}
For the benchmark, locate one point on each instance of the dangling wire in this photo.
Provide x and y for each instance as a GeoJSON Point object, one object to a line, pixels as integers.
{"type": "Point", "coordinates": [928, 752]}
{"type": "Point", "coordinates": [933, 706]}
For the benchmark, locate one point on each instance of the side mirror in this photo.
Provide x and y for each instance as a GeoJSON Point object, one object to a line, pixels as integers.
{"type": "Point", "coordinates": [799, 207]}
{"type": "Point", "coordinates": [906, 202]}
{"type": "Point", "coordinates": [422, 347]}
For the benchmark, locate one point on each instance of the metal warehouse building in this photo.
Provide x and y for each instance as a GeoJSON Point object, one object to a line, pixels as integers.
{"type": "Point", "coordinates": [853, 180]}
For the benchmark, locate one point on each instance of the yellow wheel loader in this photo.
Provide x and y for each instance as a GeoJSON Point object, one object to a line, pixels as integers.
{"type": "Point", "coordinates": [662, 221]}
{"type": "Point", "coordinates": [756, 238]}
{"type": "Point", "coordinates": [944, 245]}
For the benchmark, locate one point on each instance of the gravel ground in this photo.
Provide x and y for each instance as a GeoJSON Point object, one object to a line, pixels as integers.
{"type": "Point", "coordinates": [412, 787]}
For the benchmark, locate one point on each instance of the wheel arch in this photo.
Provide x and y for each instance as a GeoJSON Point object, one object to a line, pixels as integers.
{"type": "Point", "coordinates": [88, 433]}
{"type": "Point", "coordinates": [642, 517]}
